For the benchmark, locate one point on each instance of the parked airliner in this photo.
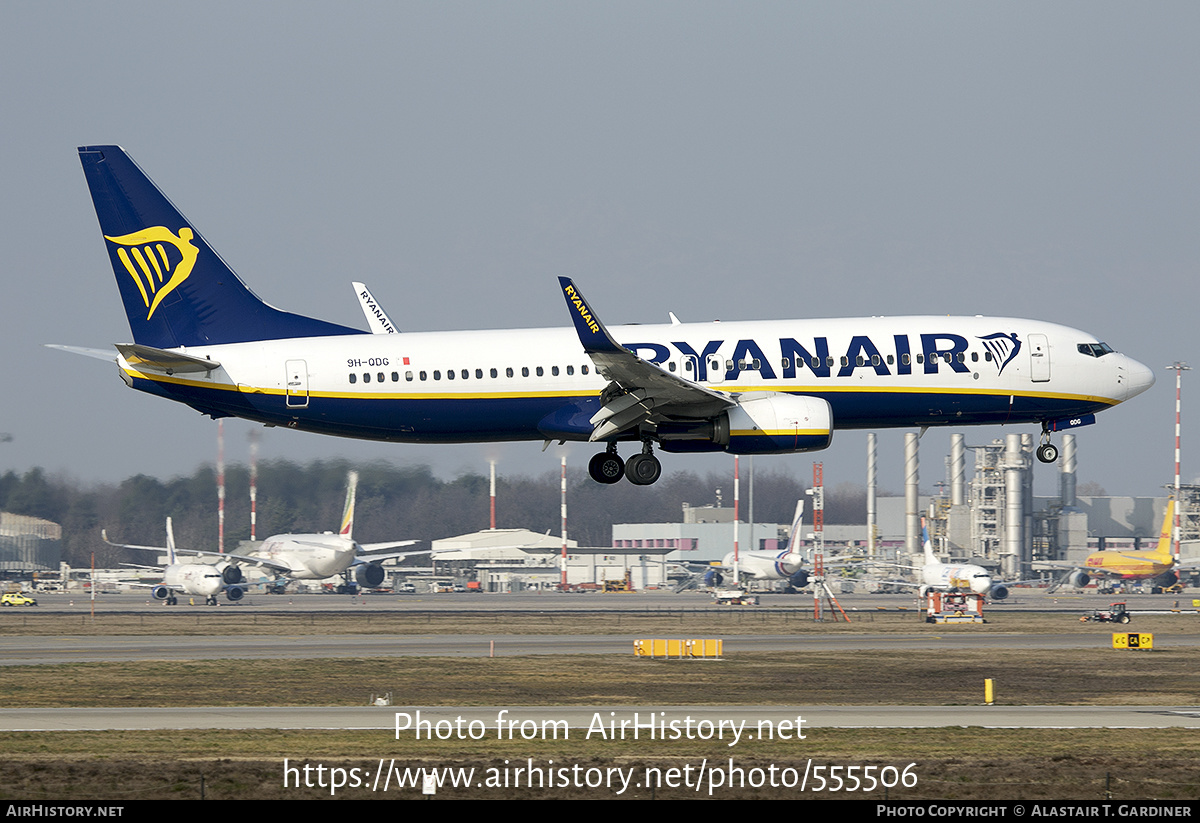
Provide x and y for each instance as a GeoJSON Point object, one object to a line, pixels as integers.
{"type": "Point", "coordinates": [1158, 565]}
{"type": "Point", "coordinates": [205, 580]}
{"type": "Point", "coordinates": [767, 565]}
{"type": "Point", "coordinates": [303, 556]}
{"type": "Point", "coordinates": [201, 337]}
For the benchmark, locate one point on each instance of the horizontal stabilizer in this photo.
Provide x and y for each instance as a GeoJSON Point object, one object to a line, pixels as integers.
{"type": "Point", "coordinates": [160, 360]}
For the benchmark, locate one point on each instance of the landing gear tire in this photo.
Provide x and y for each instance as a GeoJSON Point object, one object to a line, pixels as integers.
{"type": "Point", "coordinates": [606, 468]}
{"type": "Point", "coordinates": [1047, 452]}
{"type": "Point", "coordinates": [643, 469]}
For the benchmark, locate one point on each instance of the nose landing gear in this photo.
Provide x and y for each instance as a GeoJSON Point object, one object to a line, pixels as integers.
{"type": "Point", "coordinates": [1047, 452]}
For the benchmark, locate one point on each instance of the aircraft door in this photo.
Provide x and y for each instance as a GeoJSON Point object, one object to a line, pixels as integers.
{"type": "Point", "coordinates": [689, 367]}
{"type": "Point", "coordinates": [296, 387]}
{"type": "Point", "coordinates": [716, 369]}
{"type": "Point", "coordinates": [1039, 358]}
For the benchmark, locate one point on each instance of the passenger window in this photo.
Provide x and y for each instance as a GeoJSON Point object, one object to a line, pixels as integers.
{"type": "Point", "coordinates": [353, 378]}
{"type": "Point", "coordinates": [508, 371]}
{"type": "Point", "coordinates": [395, 377]}
{"type": "Point", "coordinates": [583, 369]}
{"type": "Point", "coordinates": [845, 361]}
{"type": "Point", "coordinates": [380, 377]}
{"type": "Point", "coordinates": [524, 371]}
{"type": "Point", "coordinates": [423, 376]}
{"type": "Point", "coordinates": [449, 374]}
{"type": "Point", "coordinates": [494, 373]}
{"type": "Point", "coordinates": [920, 359]}
{"type": "Point", "coordinates": [570, 370]}
{"type": "Point", "coordinates": [891, 360]}
{"type": "Point", "coordinates": [366, 377]}
{"type": "Point", "coordinates": [437, 375]}
{"type": "Point", "coordinates": [479, 374]}
{"type": "Point", "coordinates": [408, 376]}
{"type": "Point", "coordinates": [540, 373]}
{"type": "Point", "coordinates": [787, 362]}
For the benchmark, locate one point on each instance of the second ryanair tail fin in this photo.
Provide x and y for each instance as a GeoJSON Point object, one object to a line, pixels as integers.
{"type": "Point", "coordinates": [176, 290]}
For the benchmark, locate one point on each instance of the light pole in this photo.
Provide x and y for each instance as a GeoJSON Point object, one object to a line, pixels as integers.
{"type": "Point", "coordinates": [1179, 369]}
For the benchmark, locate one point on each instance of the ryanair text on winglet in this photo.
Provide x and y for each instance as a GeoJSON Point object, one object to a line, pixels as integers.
{"type": "Point", "coordinates": [582, 308]}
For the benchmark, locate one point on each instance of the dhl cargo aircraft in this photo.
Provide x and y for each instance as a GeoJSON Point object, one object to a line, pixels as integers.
{"type": "Point", "coordinates": [1158, 564]}
{"type": "Point", "coordinates": [201, 337]}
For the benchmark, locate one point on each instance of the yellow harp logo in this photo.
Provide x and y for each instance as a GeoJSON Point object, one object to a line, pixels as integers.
{"type": "Point", "coordinates": [156, 271]}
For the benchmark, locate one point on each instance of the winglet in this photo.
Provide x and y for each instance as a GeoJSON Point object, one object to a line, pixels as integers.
{"type": "Point", "coordinates": [592, 334]}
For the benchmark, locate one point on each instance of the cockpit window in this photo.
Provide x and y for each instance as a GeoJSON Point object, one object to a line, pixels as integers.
{"type": "Point", "coordinates": [1094, 349]}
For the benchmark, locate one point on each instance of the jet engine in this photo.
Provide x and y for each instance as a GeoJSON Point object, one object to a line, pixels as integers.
{"type": "Point", "coordinates": [160, 592]}
{"type": "Point", "coordinates": [999, 591]}
{"type": "Point", "coordinates": [775, 423]}
{"type": "Point", "coordinates": [1166, 579]}
{"type": "Point", "coordinates": [1078, 579]}
{"type": "Point", "coordinates": [369, 575]}
{"type": "Point", "coordinates": [760, 423]}
{"type": "Point", "coordinates": [232, 574]}
{"type": "Point", "coordinates": [798, 580]}
{"type": "Point", "coordinates": [235, 593]}
{"type": "Point", "coordinates": [713, 578]}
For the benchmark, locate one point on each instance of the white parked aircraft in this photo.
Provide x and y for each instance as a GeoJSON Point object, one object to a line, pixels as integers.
{"type": "Point", "coordinates": [312, 556]}
{"type": "Point", "coordinates": [205, 580]}
{"type": "Point", "coordinates": [762, 387]}
{"type": "Point", "coordinates": [761, 565]}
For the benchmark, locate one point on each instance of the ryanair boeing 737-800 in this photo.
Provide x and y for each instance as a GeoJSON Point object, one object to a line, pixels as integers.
{"type": "Point", "coordinates": [201, 337]}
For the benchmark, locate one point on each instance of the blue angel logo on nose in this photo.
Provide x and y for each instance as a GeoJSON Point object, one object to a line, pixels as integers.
{"type": "Point", "coordinates": [1004, 348]}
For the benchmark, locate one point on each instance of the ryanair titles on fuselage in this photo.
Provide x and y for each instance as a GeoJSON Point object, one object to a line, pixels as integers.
{"type": "Point", "coordinates": [934, 350]}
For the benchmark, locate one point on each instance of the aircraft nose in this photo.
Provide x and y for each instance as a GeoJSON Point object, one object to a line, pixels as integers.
{"type": "Point", "coordinates": [1138, 378]}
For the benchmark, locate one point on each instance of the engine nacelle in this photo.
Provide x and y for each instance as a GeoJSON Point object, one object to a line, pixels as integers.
{"type": "Point", "coordinates": [774, 423]}
{"type": "Point", "coordinates": [232, 574]}
{"type": "Point", "coordinates": [235, 593]}
{"type": "Point", "coordinates": [369, 575]}
{"type": "Point", "coordinates": [1166, 579]}
{"type": "Point", "coordinates": [760, 423]}
{"type": "Point", "coordinates": [999, 591]}
{"type": "Point", "coordinates": [798, 580]}
{"type": "Point", "coordinates": [1078, 579]}
{"type": "Point", "coordinates": [160, 592]}
{"type": "Point", "coordinates": [713, 578]}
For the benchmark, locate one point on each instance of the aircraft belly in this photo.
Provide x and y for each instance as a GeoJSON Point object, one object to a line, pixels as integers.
{"type": "Point", "coordinates": [466, 419]}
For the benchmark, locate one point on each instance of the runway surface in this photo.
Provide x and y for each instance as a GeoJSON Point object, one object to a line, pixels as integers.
{"type": "Point", "coordinates": [645, 602]}
{"type": "Point", "coordinates": [811, 717]}
{"type": "Point", "coordinates": [27, 651]}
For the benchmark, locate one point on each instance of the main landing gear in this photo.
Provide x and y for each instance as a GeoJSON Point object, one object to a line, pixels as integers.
{"type": "Point", "coordinates": [642, 469]}
{"type": "Point", "coordinates": [1047, 452]}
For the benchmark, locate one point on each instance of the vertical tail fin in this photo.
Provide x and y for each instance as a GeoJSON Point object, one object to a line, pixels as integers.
{"type": "Point", "coordinates": [794, 537]}
{"type": "Point", "coordinates": [176, 289]}
{"type": "Point", "coordinates": [347, 529]}
{"type": "Point", "coordinates": [1166, 540]}
{"type": "Point", "coordinates": [930, 557]}
{"type": "Point", "coordinates": [170, 543]}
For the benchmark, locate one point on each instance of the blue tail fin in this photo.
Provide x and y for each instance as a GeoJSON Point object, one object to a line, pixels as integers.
{"type": "Point", "coordinates": [177, 291]}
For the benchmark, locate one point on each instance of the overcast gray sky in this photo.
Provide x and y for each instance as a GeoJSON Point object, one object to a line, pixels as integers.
{"type": "Point", "coordinates": [718, 160]}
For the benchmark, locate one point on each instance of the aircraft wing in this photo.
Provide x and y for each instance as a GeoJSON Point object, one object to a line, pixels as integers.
{"type": "Point", "coordinates": [638, 390]}
{"type": "Point", "coordinates": [371, 558]}
{"type": "Point", "coordinates": [395, 544]}
{"type": "Point", "coordinates": [241, 558]}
